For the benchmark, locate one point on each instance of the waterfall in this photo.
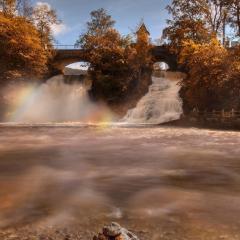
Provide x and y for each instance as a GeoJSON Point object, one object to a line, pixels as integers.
{"type": "Point", "coordinates": [55, 101]}
{"type": "Point", "coordinates": [162, 102]}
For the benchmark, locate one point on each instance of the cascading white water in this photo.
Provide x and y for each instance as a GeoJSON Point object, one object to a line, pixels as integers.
{"type": "Point", "coordinates": [56, 101]}
{"type": "Point", "coordinates": [162, 102]}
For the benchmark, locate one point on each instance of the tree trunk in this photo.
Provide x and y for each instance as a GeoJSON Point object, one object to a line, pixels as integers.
{"type": "Point", "coordinates": [224, 29]}
{"type": "Point", "coordinates": [238, 19]}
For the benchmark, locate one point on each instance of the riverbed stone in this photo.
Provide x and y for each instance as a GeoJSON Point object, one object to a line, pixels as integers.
{"type": "Point", "coordinates": [100, 237]}
{"type": "Point", "coordinates": [114, 231]}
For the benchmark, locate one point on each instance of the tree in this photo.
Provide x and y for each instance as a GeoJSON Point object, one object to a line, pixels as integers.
{"type": "Point", "coordinates": [234, 16]}
{"type": "Point", "coordinates": [115, 60]}
{"type": "Point", "coordinates": [187, 23]}
{"type": "Point", "coordinates": [215, 13]}
{"type": "Point", "coordinates": [21, 51]}
{"type": "Point", "coordinates": [212, 82]}
{"type": "Point", "coordinates": [44, 17]}
{"type": "Point", "coordinates": [102, 44]}
{"type": "Point", "coordinates": [24, 8]}
{"type": "Point", "coordinates": [184, 29]}
{"type": "Point", "coordinates": [105, 49]}
{"type": "Point", "coordinates": [100, 22]}
{"type": "Point", "coordinates": [16, 7]}
{"type": "Point", "coordinates": [7, 7]}
{"type": "Point", "coordinates": [197, 20]}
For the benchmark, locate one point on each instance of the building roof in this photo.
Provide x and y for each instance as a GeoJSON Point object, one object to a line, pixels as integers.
{"type": "Point", "coordinates": [143, 28]}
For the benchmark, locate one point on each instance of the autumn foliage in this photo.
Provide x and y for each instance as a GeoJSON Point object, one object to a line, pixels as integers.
{"type": "Point", "coordinates": [22, 54]}
{"type": "Point", "coordinates": [116, 61]}
{"type": "Point", "coordinates": [25, 39]}
{"type": "Point", "coordinates": [212, 82]}
{"type": "Point", "coordinates": [197, 34]}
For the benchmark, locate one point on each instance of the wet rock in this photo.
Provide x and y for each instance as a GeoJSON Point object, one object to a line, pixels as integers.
{"type": "Point", "coordinates": [114, 231]}
{"type": "Point", "coordinates": [100, 237]}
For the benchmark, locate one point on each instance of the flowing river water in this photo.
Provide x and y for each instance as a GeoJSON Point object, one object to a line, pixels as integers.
{"type": "Point", "coordinates": [64, 181]}
{"type": "Point", "coordinates": [161, 182]}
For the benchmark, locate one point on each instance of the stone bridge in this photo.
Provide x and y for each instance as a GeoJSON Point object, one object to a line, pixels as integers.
{"type": "Point", "coordinates": [162, 54]}
{"type": "Point", "coordinates": [64, 57]}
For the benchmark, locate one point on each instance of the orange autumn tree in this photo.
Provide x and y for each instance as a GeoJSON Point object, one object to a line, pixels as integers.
{"type": "Point", "coordinates": [197, 34]}
{"type": "Point", "coordinates": [115, 60]}
{"type": "Point", "coordinates": [104, 48]}
{"type": "Point", "coordinates": [188, 22]}
{"type": "Point", "coordinates": [212, 82]}
{"type": "Point", "coordinates": [22, 54]}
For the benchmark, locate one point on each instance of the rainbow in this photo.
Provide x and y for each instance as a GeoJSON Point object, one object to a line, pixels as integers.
{"type": "Point", "coordinates": [20, 100]}
{"type": "Point", "coordinates": [24, 105]}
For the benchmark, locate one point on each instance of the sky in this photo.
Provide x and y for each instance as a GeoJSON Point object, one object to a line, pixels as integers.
{"type": "Point", "coordinates": [127, 14]}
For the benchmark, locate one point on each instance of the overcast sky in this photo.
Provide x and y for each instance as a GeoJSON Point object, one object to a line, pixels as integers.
{"type": "Point", "coordinates": [126, 13]}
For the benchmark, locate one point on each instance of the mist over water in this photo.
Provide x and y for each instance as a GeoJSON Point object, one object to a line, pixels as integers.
{"type": "Point", "coordinates": [54, 101]}
{"type": "Point", "coordinates": [146, 178]}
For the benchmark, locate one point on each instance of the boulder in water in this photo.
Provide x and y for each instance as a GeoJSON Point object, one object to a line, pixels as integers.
{"type": "Point", "coordinates": [114, 231]}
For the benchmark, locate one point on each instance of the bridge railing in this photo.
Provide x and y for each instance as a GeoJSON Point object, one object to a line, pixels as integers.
{"type": "Point", "coordinates": [65, 47]}
{"type": "Point", "coordinates": [71, 46]}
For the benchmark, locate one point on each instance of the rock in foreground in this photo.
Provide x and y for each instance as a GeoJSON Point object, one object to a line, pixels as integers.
{"type": "Point", "coordinates": [114, 231]}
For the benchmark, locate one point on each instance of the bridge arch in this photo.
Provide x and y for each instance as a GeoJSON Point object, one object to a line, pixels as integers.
{"type": "Point", "coordinates": [65, 57]}
{"type": "Point", "coordinates": [162, 54]}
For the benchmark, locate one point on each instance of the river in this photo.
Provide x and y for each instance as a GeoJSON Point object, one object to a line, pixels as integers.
{"type": "Point", "coordinates": [65, 182]}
